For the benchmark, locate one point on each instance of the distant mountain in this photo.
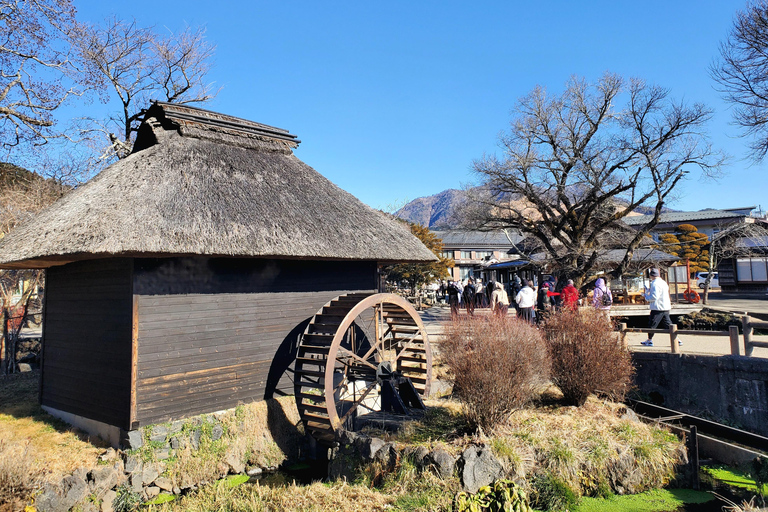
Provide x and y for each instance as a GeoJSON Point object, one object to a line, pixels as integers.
{"type": "Point", "coordinates": [436, 211]}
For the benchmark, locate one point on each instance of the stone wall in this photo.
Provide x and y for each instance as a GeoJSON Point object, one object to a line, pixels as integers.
{"type": "Point", "coordinates": [728, 389]}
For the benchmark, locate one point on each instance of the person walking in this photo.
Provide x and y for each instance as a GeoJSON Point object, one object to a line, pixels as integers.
{"type": "Point", "coordinates": [526, 299]}
{"type": "Point", "coordinates": [570, 296]}
{"type": "Point", "coordinates": [499, 300]}
{"type": "Point", "coordinates": [479, 294]}
{"type": "Point", "coordinates": [468, 296]}
{"type": "Point", "coordinates": [601, 297]}
{"type": "Point", "coordinates": [657, 295]}
{"type": "Point", "coordinates": [453, 298]}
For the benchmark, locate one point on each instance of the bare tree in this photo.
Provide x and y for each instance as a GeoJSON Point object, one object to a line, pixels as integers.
{"type": "Point", "coordinates": [35, 68]}
{"type": "Point", "coordinates": [732, 241]}
{"type": "Point", "coordinates": [133, 65]}
{"type": "Point", "coordinates": [574, 165]}
{"type": "Point", "coordinates": [742, 74]}
{"type": "Point", "coordinates": [22, 195]}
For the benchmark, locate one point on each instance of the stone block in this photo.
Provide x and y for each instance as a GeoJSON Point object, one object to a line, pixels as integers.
{"type": "Point", "coordinates": [133, 440]}
{"type": "Point", "coordinates": [133, 464]}
{"type": "Point", "coordinates": [152, 491]}
{"type": "Point", "coordinates": [442, 462]}
{"type": "Point", "coordinates": [104, 478]}
{"type": "Point", "coordinates": [149, 474]}
{"type": "Point", "coordinates": [478, 468]}
{"type": "Point", "coordinates": [217, 431]}
{"type": "Point", "coordinates": [108, 500]}
{"type": "Point", "coordinates": [194, 439]}
{"type": "Point", "coordinates": [164, 483]}
{"type": "Point", "coordinates": [71, 491]}
{"type": "Point", "coordinates": [367, 447]}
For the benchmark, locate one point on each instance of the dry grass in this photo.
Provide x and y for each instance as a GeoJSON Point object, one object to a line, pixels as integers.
{"type": "Point", "coordinates": [262, 434]}
{"type": "Point", "coordinates": [590, 448]}
{"type": "Point", "coordinates": [35, 447]}
{"type": "Point", "coordinates": [338, 496]}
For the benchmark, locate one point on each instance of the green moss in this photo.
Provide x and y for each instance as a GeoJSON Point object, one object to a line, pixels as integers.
{"type": "Point", "coordinates": [161, 498]}
{"type": "Point", "coordinates": [658, 500]}
{"type": "Point", "coordinates": [235, 480]}
{"type": "Point", "coordinates": [735, 478]}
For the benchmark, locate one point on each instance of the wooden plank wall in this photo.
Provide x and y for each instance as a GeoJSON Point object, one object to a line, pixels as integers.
{"type": "Point", "coordinates": [214, 332]}
{"type": "Point", "coordinates": [87, 358]}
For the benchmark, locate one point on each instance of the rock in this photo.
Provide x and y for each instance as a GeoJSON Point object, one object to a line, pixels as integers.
{"type": "Point", "coordinates": [152, 491]}
{"type": "Point", "coordinates": [630, 415]}
{"type": "Point", "coordinates": [149, 474]}
{"type": "Point", "coordinates": [419, 455]}
{"type": "Point", "coordinates": [442, 461]}
{"type": "Point", "coordinates": [235, 463]}
{"type": "Point", "coordinates": [133, 440]}
{"type": "Point", "coordinates": [108, 455]}
{"type": "Point", "coordinates": [105, 478]}
{"type": "Point", "coordinates": [479, 467]}
{"type": "Point", "coordinates": [176, 490]}
{"type": "Point", "coordinates": [440, 388]}
{"type": "Point", "coordinates": [194, 439]}
{"type": "Point", "coordinates": [107, 501]}
{"type": "Point", "coordinates": [254, 471]}
{"type": "Point", "coordinates": [164, 484]}
{"type": "Point", "coordinates": [176, 426]}
{"type": "Point", "coordinates": [137, 484]}
{"type": "Point", "coordinates": [72, 490]}
{"type": "Point", "coordinates": [367, 447]}
{"type": "Point", "coordinates": [163, 453]}
{"type": "Point", "coordinates": [133, 464]}
{"type": "Point", "coordinates": [387, 456]}
{"type": "Point", "coordinates": [217, 432]}
{"type": "Point", "coordinates": [24, 367]}
{"type": "Point", "coordinates": [178, 442]}
{"type": "Point", "coordinates": [347, 439]}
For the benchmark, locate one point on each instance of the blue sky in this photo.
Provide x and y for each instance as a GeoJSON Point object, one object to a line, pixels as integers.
{"type": "Point", "coordinates": [393, 100]}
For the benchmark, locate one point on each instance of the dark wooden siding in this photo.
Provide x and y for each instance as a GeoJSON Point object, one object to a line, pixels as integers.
{"type": "Point", "coordinates": [87, 358]}
{"type": "Point", "coordinates": [214, 332]}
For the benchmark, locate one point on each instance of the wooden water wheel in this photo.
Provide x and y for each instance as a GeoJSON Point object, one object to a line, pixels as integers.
{"type": "Point", "coordinates": [350, 343]}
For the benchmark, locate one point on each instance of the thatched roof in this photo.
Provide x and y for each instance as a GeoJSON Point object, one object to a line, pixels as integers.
{"type": "Point", "coordinates": [201, 183]}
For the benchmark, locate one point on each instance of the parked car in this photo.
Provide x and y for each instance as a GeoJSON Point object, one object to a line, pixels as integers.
{"type": "Point", "coordinates": [701, 278]}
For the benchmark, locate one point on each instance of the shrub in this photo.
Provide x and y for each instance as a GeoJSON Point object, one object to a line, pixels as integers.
{"type": "Point", "coordinates": [20, 473]}
{"type": "Point", "coordinates": [497, 364]}
{"type": "Point", "coordinates": [586, 356]}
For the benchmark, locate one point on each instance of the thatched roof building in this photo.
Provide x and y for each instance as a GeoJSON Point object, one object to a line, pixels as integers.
{"type": "Point", "coordinates": [201, 183]}
{"type": "Point", "coordinates": [181, 278]}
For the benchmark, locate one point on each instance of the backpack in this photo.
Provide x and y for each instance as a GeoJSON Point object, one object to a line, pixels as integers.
{"type": "Point", "coordinates": [606, 299]}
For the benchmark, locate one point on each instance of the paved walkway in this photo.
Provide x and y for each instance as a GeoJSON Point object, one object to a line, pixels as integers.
{"type": "Point", "coordinates": [434, 319]}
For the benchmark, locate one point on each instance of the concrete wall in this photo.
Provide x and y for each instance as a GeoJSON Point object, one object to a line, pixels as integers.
{"type": "Point", "coordinates": [728, 389]}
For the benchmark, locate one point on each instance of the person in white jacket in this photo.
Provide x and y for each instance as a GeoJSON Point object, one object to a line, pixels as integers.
{"type": "Point", "coordinates": [526, 299]}
{"type": "Point", "coordinates": [657, 295]}
{"type": "Point", "coordinates": [499, 300]}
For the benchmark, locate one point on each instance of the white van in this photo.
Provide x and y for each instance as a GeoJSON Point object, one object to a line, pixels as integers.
{"type": "Point", "coordinates": [701, 278]}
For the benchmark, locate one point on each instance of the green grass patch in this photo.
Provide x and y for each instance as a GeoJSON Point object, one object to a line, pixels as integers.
{"type": "Point", "coordinates": [658, 500]}
{"type": "Point", "coordinates": [235, 480]}
{"type": "Point", "coordinates": [735, 478]}
{"type": "Point", "coordinates": [161, 498]}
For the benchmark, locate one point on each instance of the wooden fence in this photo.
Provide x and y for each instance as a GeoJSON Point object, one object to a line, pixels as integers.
{"type": "Point", "coordinates": [748, 325]}
{"type": "Point", "coordinates": [674, 332]}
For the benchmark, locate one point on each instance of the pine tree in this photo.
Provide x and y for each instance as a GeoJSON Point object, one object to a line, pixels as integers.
{"type": "Point", "coordinates": [687, 244]}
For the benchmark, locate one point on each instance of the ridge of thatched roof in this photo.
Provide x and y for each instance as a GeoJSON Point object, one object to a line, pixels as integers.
{"type": "Point", "coordinates": [201, 183]}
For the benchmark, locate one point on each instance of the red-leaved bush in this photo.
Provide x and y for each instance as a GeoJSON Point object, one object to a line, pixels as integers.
{"type": "Point", "coordinates": [498, 365]}
{"type": "Point", "coordinates": [586, 355]}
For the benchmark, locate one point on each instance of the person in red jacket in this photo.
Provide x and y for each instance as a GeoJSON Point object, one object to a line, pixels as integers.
{"type": "Point", "coordinates": [570, 296]}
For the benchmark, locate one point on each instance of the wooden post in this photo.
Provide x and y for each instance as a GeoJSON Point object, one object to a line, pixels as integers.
{"type": "Point", "coordinates": [747, 330]}
{"type": "Point", "coordinates": [623, 335]}
{"type": "Point", "coordinates": [733, 331]}
{"type": "Point", "coordinates": [673, 339]}
{"type": "Point", "coordinates": [3, 344]}
{"type": "Point", "coordinates": [693, 456]}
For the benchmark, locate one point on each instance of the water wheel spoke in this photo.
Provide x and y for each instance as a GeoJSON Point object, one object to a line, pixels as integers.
{"type": "Point", "coordinates": [348, 353]}
{"type": "Point", "coordinates": [370, 387]}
